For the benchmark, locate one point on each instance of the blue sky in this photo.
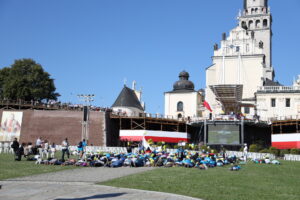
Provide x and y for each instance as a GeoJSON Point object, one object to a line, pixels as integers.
{"type": "Point", "coordinates": [91, 46]}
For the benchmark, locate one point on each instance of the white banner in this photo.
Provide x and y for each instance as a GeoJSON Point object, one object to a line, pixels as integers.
{"type": "Point", "coordinates": [10, 126]}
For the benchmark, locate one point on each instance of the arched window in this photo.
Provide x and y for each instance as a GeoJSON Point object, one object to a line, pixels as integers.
{"type": "Point", "coordinates": [265, 23]}
{"type": "Point", "coordinates": [180, 106]}
{"type": "Point", "coordinates": [256, 10]}
{"type": "Point", "coordinates": [244, 25]}
{"type": "Point", "coordinates": [252, 10]}
{"type": "Point", "coordinates": [250, 24]}
{"type": "Point", "coordinates": [179, 116]}
{"type": "Point", "coordinates": [257, 24]}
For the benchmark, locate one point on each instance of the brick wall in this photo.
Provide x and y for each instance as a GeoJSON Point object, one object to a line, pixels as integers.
{"type": "Point", "coordinates": [57, 125]}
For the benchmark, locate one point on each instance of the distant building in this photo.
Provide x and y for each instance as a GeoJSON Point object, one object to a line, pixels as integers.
{"type": "Point", "coordinates": [241, 78]}
{"type": "Point", "coordinates": [275, 101]}
{"type": "Point", "coordinates": [129, 102]}
{"type": "Point", "coordinates": [183, 101]}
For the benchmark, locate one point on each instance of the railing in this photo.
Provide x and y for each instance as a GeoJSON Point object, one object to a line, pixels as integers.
{"type": "Point", "coordinates": [149, 115]}
{"type": "Point", "coordinates": [278, 88]}
{"type": "Point", "coordinates": [251, 155]}
{"type": "Point", "coordinates": [5, 148]}
{"type": "Point", "coordinates": [283, 118]}
{"type": "Point", "coordinates": [51, 105]}
{"type": "Point", "coordinates": [291, 157]}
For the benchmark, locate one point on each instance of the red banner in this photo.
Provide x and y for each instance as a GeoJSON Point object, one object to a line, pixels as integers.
{"type": "Point", "coordinates": [206, 105]}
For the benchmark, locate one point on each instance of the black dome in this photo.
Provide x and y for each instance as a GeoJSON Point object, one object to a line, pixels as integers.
{"type": "Point", "coordinates": [183, 83]}
{"type": "Point", "coordinates": [184, 74]}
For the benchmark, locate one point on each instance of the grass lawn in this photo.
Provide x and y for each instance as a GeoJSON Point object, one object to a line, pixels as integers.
{"type": "Point", "coordinates": [253, 181]}
{"type": "Point", "coordinates": [9, 168]}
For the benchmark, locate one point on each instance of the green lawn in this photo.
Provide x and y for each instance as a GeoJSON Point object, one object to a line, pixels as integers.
{"type": "Point", "coordinates": [9, 168]}
{"type": "Point", "coordinates": [253, 182]}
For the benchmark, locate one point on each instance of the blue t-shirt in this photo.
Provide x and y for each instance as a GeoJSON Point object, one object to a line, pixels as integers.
{"type": "Point", "coordinates": [84, 144]}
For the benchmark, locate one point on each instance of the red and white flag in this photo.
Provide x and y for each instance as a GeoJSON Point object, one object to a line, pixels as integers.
{"type": "Point", "coordinates": [207, 106]}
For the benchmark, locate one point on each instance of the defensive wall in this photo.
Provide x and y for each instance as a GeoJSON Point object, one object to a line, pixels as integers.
{"type": "Point", "coordinates": [55, 125]}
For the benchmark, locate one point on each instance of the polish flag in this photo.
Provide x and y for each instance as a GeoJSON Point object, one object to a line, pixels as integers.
{"type": "Point", "coordinates": [206, 105]}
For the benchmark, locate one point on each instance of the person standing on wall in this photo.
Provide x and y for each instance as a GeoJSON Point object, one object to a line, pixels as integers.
{"type": "Point", "coordinates": [65, 149]}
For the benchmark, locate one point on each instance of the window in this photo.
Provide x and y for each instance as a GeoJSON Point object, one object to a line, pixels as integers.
{"type": "Point", "coordinates": [250, 24]}
{"type": "Point", "coordinates": [257, 24]}
{"type": "Point", "coordinates": [273, 103]}
{"type": "Point", "coordinates": [247, 47]}
{"type": "Point", "coordinates": [247, 110]}
{"type": "Point", "coordinates": [179, 106]}
{"type": "Point", "coordinates": [237, 49]}
{"type": "Point", "coordinates": [287, 103]}
{"type": "Point", "coordinates": [179, 116]}
{"type": "Point", "coordinates": [265, 23]}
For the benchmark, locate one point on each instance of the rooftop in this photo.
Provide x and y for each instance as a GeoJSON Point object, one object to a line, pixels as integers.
{"type": "Point", "coordinates": [278, 89]}
{"type": "Point", "coordinates": [127, 98]}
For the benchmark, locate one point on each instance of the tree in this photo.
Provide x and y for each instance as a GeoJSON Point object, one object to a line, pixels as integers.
{"type": "Point", "coordinates": [26, 80]}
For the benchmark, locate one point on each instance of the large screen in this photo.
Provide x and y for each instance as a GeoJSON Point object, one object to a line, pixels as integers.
{"type": "Point", "coordinates": [223, 134]}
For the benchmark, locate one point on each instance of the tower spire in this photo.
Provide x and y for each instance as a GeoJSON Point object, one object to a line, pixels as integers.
{"type": "Point", "coordinates": [254, 7]}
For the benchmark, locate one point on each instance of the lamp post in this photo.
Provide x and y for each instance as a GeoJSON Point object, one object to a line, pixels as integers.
{"type": "Point", "coordinates": [87, 99]}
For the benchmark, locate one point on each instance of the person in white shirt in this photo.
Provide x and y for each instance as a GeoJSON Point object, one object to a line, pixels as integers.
{"type": "Point", "coordinates": [52, 150]}
{"type": "Point", "coordinates": [38, 145]}
{"type": "Point", "coordinates": [45, 149]}
{"type": "Point", "coordinates": [245, 152]}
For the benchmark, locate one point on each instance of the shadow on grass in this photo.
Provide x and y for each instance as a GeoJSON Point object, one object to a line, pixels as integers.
{"type": "Point", "coordinates": [99, 196]}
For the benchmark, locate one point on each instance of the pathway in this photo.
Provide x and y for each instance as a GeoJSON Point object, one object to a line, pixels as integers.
{"type": "Point", "coordinates": [78, 184]}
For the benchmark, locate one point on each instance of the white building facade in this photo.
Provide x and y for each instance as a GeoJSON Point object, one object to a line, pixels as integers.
{"type": "Point", "coordinates": [183, 101]}
{"type": "Point", "coordinates": [279, 102]}
{"type": "Point", "coordinates": [244, 57]}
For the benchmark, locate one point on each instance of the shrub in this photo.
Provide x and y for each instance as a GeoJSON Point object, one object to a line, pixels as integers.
{"type": "Point", "coordinates": [274, 151]}
{"type": "Point", "coordinates": [150, 141]}
{"type": "Point", "coordinates": [159, 144]}
{"type": "Point", "coordinates": [254, 148]}
{"type": "Point", "coordinates": [295, 151]}
{"type": "Point", "coordinates": [203, 147]}
{"type": "Point", "coordinates": [264, 151]}
{"type": "Point", "coordinates": [176, 146]}
{"type": "Point", "coordinates": [187, 146]}
{"type": "Point", "coordinates": [284, 151]}
{"type": "Point", "coordinates": [214, 151]}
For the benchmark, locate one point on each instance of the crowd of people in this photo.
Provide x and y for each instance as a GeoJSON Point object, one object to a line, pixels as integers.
{"type": "Point", "coordinates": [149, 158]}
{"type": "Point", "coordinates": [41, 147]}
{"type": "Point", "coordinates": [43, 153]}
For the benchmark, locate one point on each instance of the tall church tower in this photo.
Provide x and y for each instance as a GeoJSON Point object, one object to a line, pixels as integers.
{"type": "Point", "coordinates": [243, 61]}
{"type": "Point", "coordinates": [257, 19]}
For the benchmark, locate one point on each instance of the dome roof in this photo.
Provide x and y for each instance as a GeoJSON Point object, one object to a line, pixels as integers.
{"type": "Point", "coordinates": [184, 74]}
{"type": "Point", "coordinates": [183, 83]}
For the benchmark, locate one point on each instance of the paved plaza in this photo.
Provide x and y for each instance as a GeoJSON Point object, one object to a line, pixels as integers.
{"type": "Point", "coordinates": [78, 184]}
